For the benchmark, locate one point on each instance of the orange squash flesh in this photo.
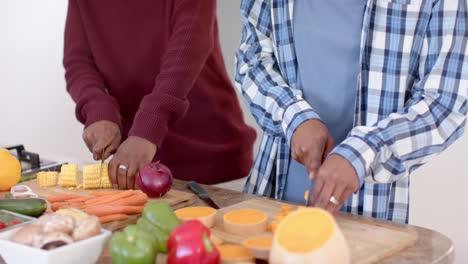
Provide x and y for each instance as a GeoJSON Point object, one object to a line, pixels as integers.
{"type": "Point", "coordinates": [234, 253]}
{"type": "Point", "coordinates": [309, 235]}
{"type": "Point", "coordinates": [245, 216]}
{"type": "Point", "coordinates": [259, 246]}
{"type": "Point", "coordinates": [204, 214]}
{"type": "Point", "coordinates": [194, 212]}
{"type": "Point", "coordinates": [263, 242]}
{"type": "Point", "coordinates": [245, 222]}
{"type": "Point", "coordinates": [289, 235]}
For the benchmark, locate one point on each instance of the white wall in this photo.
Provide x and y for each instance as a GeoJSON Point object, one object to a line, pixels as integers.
{"type": "Point", "coordinates": [36, 110]}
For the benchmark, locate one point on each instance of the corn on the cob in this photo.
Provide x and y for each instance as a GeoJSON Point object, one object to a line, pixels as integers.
{"type": "Point", "coordinates": [68, 175]}
{"type": "Point", "coordinates": [47, 178]}
{"type": "Point", "coordinates": [92, 176]}
{"type": "Point", "coordinates": [105, 183]}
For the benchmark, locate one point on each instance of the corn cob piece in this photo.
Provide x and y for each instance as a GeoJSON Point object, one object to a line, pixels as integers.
{"type": "Point", "coordinates": [92, 176]}
{"type": "Point", "coordinates": [68, 175]}
{"type": "Point", "coordinates": [47, 178]}
{"type": "Point", "coordinates": [105, 183]}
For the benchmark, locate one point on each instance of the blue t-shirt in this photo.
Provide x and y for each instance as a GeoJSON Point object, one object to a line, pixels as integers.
{"type": "Point", "coordinates": [327, 41]}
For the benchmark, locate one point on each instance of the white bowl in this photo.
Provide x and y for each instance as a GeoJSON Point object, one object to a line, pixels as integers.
{"type": "Point", "coordinates": [81, 252]}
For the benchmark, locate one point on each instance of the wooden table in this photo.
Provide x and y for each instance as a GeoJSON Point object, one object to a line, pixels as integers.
{"type": "Point", "coordinates": [431, 247]}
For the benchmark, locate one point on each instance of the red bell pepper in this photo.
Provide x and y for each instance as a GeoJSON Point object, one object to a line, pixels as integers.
{"type": "Point", "coordinates": [190, 243]}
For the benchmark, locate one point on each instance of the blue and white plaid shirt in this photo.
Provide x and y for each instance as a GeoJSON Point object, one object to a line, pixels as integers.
{"type": "Point", "coordinates": [411, 95]}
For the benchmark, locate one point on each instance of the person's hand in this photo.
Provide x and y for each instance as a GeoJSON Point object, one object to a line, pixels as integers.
{"type": "Point", "coordinates": [134, 153]}
{"type": "Point", "coordinates": [335, 178]}
{"type": "Point", "coordinates": [310, 145]}
{"type": "Point", "coordinates": [102, 136]}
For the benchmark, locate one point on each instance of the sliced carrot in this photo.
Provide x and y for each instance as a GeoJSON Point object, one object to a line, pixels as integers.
{"type": "Point", "coordinates": [138, 198]}
{"type": "Point", "coordinates": [62, 197]}
{"type": "Point", "coordinates": [109, 198]}
{"type": "Point", "coordinates": [104, 193]}
{"type": "Point", "coordinates": [102, 210]}
{"type": "Point", "coordinates": [111, 218]}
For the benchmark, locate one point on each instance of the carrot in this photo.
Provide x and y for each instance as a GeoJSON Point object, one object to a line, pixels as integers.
{"type": "Point", "coordinates": [59, 205]}
{"type": "Point", "coordinates": [62, 197]}
{"type": "Point", "coordinates": [55, 206]}
{"type": "Point", "coordinates": [138, 198]}
{"type": "Point", "coordinates": [81, 199]}
{"type": "Point", "coordinates": [113, 217]}
{"type": "Point", "coordinates": [102, 210]}
{"type": "Point", "coordinates": [104, 193]}
{"type": "Point", "coordinates": [109, 198]}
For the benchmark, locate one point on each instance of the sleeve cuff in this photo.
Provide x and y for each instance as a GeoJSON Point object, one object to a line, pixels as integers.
{"type": "Point", "coordinates": [358, 153]}
{"type": "Point", "coordinates": [100, 111]}
{"type": "Point", "coordinates": [150, 126]}
{"type": "Point", "coordinates": [296, 114]}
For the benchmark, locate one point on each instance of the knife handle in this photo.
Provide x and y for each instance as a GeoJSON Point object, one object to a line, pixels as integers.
{"type": "Point", "coordinates": [197, 189]}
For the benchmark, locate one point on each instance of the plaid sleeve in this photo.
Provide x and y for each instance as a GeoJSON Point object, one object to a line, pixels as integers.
{"type": "Point", "coordinates": [433, 118]}
{"type": "Point", "coordinates": [278, 108]}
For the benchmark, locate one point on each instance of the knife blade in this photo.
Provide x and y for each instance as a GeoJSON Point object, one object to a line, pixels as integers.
{"type": "Point", "coordinates": [311, 187]}
{"type": "Point", "coordinates": [101, 168]}
{"type": "Point", "coordinates": [201, 193]}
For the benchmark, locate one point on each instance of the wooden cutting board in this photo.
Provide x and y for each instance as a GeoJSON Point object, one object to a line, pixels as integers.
{"type": "Point", "coordinates": [177, 199]}
{"type": "Point", "coordinates": [369, 241]}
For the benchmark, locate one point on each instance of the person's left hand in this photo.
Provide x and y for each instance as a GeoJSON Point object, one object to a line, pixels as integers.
{"type": "Point", "coordinates": [132, 154]}
{"type": "Point", "coordinates": [336, 177]}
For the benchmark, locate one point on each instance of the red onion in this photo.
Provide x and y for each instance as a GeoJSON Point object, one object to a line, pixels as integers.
{"type": "Point", "coordinates": [154, 179]}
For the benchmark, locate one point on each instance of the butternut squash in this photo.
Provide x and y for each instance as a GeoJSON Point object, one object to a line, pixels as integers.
{"type": "Point", "coordinates": [231, 254]}
{"type": "Point", "coordinates": [245, 222]}
{"type": "Point", "coordinates": [204, 214]}
{"type": "Point", "coordinates": [285, 210]}
{"type": "Point", "coordinates": [259, 246]}
{"type": "Point", "coordinates": [309, 235]}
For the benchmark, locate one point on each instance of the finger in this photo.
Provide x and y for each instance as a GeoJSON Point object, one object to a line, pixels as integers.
{"type": "Point", "coordinates": [324, 196]}
{"type": "Point", "coordinates": [111, 149]}
{"type": "Point", "coordinates": [131, 173]}
{"type": "Point", "coordinates": [331, 207]}
{"type": "Point", "coordinates": [313, 157]}
{"type": "Point", "coordinates": [122, 174]}
{"type": "Point", "coordinates": [113, 164]}
{"type": "Point", "coordinates": [344, 196]}
{"type": "Point", "coordinates": [328, 147]}
{"type": "Point", "coordinates": [100, 146]}
{"type": "Point", "coordinates": [88, 142]}
{"type": "Point", "coordinates": [299, 155]}
{"type": "Point", "coordinates": [316, 191]}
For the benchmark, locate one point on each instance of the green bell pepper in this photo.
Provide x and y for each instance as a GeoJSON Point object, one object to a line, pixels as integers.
{"type": "Point", "coordinates": [156, 232]}
{"type": "Point", "coordinates": [133, 246]}
{"type": "Point", "coordinates": [160, 214]}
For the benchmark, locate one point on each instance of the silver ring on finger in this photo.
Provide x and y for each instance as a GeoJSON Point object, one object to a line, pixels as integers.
{"type": "Point", "coordinates": [123, 167]}
{"type": "Point", "coordinates": [334, 201]}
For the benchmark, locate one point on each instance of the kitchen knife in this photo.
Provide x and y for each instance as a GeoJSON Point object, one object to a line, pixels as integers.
{"type": "Point", "coordinates": [101, 169]}
{"type": "Point", "coordinates": [201, 193]}
{"type": "Point", "coordinates": [311, 187]}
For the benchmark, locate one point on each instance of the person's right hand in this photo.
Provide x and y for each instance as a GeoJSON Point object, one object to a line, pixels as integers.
{"type": "Point", "coordinates": [102, 136]}
{"type": "Point", "coordinates": [310, 145]}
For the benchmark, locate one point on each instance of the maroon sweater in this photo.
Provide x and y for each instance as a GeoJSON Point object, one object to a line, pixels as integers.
{"type": "Point", "coordinates": [155, 68]}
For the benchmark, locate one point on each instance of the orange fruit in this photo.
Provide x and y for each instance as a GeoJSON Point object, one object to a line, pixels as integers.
{"type": "Point", "coordinates": [10, 170]}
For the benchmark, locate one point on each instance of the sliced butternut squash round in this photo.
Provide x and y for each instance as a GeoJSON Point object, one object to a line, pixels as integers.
{"type": "Point", "coordinates": [204, 214]}
{"type": "Point", "coordinates": [309, 235]}
{"type": "Point", "coordinates": [259, 246]}
{"type": "Point", "coordinates": [245, 222]}
{"type": "Point", "coordinates": [234, 254]}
